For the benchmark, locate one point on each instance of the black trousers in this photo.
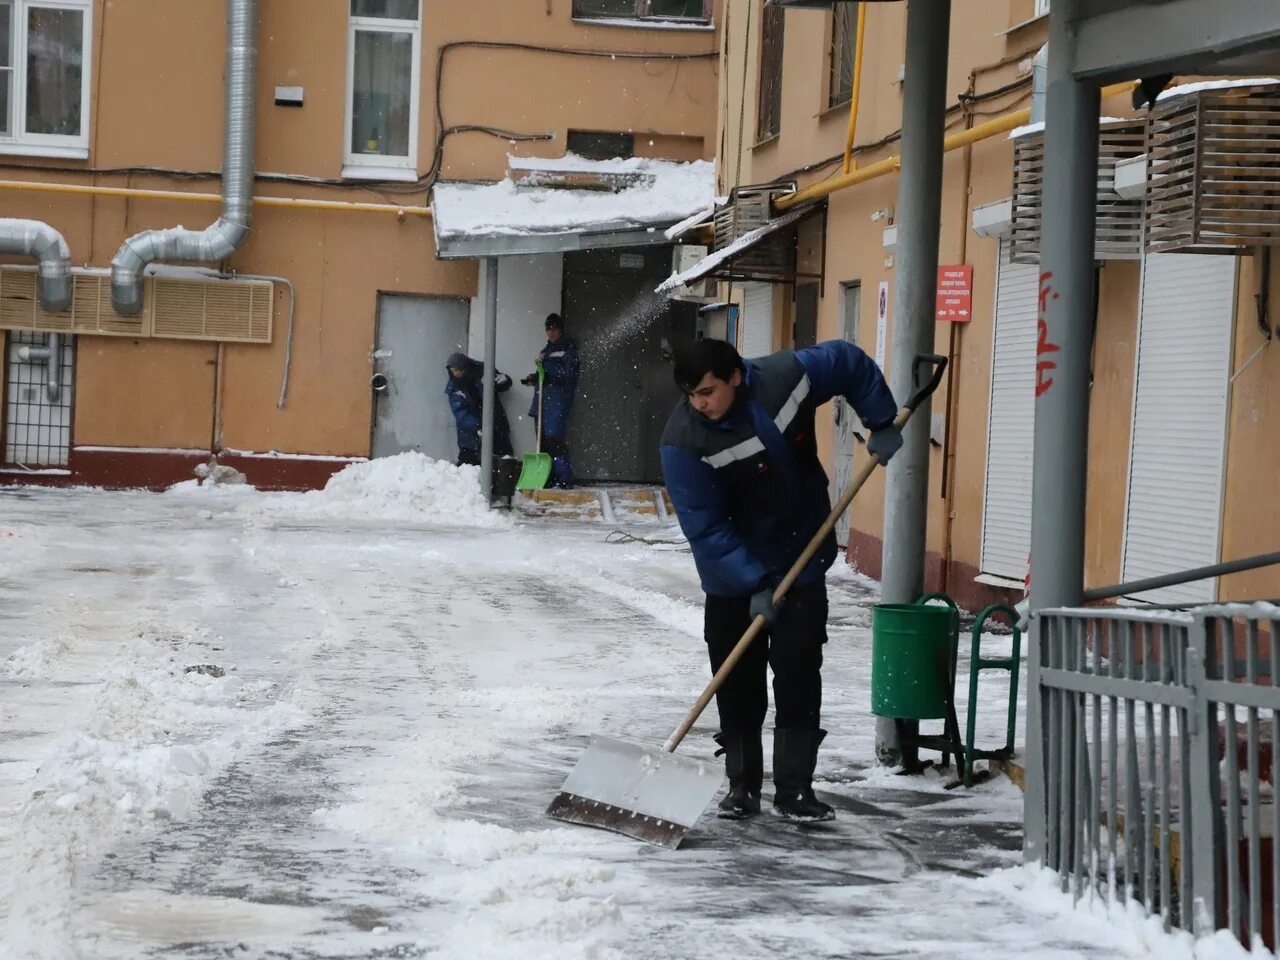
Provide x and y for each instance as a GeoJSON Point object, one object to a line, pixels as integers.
{"type": "Point", "coordinates": [468, 458]}
{"type": "Point", "coordinates": [792, 647]}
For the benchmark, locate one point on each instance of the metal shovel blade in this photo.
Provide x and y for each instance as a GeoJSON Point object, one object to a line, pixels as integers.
{"type": "Point", "coordinates": [643, 792]}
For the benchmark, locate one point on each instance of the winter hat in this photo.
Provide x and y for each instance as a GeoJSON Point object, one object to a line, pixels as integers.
{"type": "Point", "coordinates": [458, 361]}
{"type": "Point", "coordinates": [554, 322]}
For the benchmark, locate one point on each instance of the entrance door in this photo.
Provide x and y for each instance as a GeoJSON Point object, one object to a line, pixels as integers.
{"type": "Point", "coordinates": [805, 333]}
{"type": "Point", "coordinates": [625, 334]}
{"type": "Point", "coordinates": [848, 426]}
{"type": "Point", "coordinates": [410, 411]}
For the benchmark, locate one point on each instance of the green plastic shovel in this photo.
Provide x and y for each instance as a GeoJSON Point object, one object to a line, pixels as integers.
{"type": "Point", "coordinates": [537, 466]}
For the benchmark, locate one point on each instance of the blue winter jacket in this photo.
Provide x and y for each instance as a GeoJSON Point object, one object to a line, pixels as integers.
{"type": "Point", "coordinates": [749, 490]}
{"type": "Point", "coordinates": [466, 400]}
{"type": "Point", "coordinates": [561, 366]}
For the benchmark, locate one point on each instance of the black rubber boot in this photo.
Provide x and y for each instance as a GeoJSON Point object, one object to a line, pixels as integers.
{"type": "Point", "coordinates": [744, 765]}
{"type": "Point", "coordinates": [795, 754]}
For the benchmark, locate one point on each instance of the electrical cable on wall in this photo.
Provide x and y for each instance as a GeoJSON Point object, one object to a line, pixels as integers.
{"type": "Point", "coordinates": [422, 184]}
{"type": "Point", "coordinates": [442, 132]}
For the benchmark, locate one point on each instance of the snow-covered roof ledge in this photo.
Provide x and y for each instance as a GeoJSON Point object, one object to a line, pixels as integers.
{"type": "Point", "coordinates": [641, 199]}
{"type": "Point", "coordinates": [1026, 130]}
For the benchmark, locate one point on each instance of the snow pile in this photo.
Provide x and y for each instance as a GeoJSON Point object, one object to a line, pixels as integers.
{"type": "Point", "coordinates": [151, 741]}
{"type": "Point", "coordinates": [1124, 927]}
{"type": "Point", "coordinates": [669, 192]}
{"type": "Point", "coordinates": [407, 487]}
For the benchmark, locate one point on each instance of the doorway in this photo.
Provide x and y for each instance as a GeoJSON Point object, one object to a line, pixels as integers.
{"type": "Point", "coordinates": [625, 334]}
{"type": "Point", "coordinates": [410, 411]}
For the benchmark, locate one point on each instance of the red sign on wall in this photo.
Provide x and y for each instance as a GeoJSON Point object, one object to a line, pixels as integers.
{"type": "Point", "coordinates": [955, 294]}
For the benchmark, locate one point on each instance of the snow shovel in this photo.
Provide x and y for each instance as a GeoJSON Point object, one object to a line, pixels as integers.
{"type": "Point", "coordinates": [537, 465]}
{"type": "Point", "coordinates": [652, 794]}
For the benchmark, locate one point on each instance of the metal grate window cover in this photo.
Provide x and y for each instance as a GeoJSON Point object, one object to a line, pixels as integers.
{"type": "Point", "coordinates": [188, 309]}
{"type": "Point", "coordinates": [1150, 761]}
{"type": "Point", "coordinates": [1119, 221]}
{"type": "Point", "coordinates": [37, 429]}
{"type": "Point", "coordinates": [1214, 171]}
{"type": "Point", "coordinates": [773, 260]}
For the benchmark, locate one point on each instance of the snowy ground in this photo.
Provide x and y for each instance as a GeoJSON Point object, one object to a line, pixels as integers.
{"type": "Point", "coordinates": [380, 711]}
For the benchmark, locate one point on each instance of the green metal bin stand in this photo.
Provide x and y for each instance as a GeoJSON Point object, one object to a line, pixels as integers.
{"type": "Point", "coordinates": [977, 664]}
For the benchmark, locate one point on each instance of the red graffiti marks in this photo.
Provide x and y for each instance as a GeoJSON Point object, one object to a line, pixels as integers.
{"type": "Point", "coordinates": [1043, 346]}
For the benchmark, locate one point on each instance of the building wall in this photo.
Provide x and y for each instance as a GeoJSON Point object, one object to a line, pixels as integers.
{"type": "Point", "coordinates": [991, 47]}
{"type": "Point", "coordinates": [1251, 512]}
{"type": "Point", "coordinates": [157, 102]}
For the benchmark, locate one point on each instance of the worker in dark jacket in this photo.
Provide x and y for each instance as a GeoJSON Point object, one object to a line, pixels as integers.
{"type": "Point", "coordinates": [560, 365]}
{"type": "Point", "coordinates": [465, 390]}
{"type": "Point", "coordinates": [740, 461]}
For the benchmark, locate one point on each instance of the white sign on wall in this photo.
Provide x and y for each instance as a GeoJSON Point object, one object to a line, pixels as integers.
{"type": "Point", "coordinates": [882, 320]}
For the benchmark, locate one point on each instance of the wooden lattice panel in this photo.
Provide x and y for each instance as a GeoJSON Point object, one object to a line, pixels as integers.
{"type": "Point", "coordinates": [1214, 171]}
{"type": "Point", "coordinates": [749, 208]}
{"type": "Point", "coordinates": [196, 309]}
{"type": "Point", "coordinates": [91, 311]}
{"type": "Point", "coordinates": [226, 310]}
{"type": "Point", "coordinates": [1119, 221]}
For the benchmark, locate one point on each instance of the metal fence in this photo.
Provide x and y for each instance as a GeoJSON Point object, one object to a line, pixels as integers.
{"type": "Point", "coordinates": [1150, 739]}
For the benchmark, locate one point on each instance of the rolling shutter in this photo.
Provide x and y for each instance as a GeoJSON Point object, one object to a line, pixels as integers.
{"type": "Point", "coordinates": [1176, 455]}
{"type": "Point", "coordinates": [1006, 510]}
{"type": "Point", "coordinates": [757, 319]}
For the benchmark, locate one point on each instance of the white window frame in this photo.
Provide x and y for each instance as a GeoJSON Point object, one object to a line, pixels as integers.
{"type": "Point", "coordinates": [1042, 7]}
{"type": "Point", "coordinates": [642, 12]}
{"type": "Point", "coordinates": [381, 167]}
{"type": "Point", "coordinates": [19, 142]}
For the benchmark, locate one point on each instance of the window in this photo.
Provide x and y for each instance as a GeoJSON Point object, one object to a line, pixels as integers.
{"type": "Point", "coordinates": [383, 53]}
{"type": "Point", "coordinates": [1042, 7]}
{"type": "Point", "coordinates": [44, 77]}
{"type": "Point", "coordinates": [696, 11]}
{"type": "Point", "coordinates": [601, 146]}
{"type": "Point", "coordinates": [769, 114]}
{"type": "Point", "coordinates": [844, 42]}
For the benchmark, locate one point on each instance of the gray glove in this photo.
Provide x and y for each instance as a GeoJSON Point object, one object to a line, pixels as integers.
{"type": "Point", "coordinates": [762, 605]}
{"type": "Point", "coordinates": [885, 442]}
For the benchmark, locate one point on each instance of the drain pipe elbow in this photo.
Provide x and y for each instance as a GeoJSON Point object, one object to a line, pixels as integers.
{"type": "Point", "coordinates": [36, 239]}
{"type": "Point", "coordinates": [214, 243]}
{"type": "Point", "coordinates": [51, 357]}
{"type": "Point", "coordinates": [221, 239]}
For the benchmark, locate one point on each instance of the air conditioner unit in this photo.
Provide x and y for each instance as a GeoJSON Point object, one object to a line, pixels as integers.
{"type": "Point", "coordinates": [686, 257]}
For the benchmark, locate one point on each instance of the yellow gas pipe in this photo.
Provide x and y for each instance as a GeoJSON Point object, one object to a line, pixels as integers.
{"type": "Point", "coordinates": [983, 131]}
{"type": "Point", "coordinates": [857, 88]}
{"type": "Point", "coordinates": [140, 194]}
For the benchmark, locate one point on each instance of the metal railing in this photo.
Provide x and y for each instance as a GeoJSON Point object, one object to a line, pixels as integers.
{"type": "Point", "coordinates": [1147, 752]}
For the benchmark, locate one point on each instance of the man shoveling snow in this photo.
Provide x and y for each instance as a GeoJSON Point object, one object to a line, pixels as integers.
{"type": "Point", "coordinates": [741, 465]}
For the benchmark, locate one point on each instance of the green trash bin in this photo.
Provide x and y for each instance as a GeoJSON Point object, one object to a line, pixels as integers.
{"type": "Point", "coordinates": [911, 657]}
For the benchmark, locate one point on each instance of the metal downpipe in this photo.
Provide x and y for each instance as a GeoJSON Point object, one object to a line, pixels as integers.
{"type": "Point", "coordinates": [51, 356]}
{"type": "Point", "coordinates": [34, 238]}
{"type": "Point", "coordinates": [218, 241]}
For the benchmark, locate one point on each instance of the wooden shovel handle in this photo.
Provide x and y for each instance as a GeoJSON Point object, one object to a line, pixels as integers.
{"type": "Point", "coordinates": [922, 391]}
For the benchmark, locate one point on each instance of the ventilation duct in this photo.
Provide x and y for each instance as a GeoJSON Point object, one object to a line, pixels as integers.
{"type": "Point", "coordinates": [1039, 84]}
{"type": "Point", "coordinates": [33, 238]}
{"type": "Point", "coordinates": [217, 242]}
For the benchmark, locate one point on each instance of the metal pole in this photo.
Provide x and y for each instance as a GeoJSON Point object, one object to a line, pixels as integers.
{"type": "Point", "coordinates": [490, 367]}
{"type": "Point", "coordinates": [919, 215]}
{"type": "Point", "coordinates": [1063, 346]}
{"type": "Point", "coordinates": [1065, 334]}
